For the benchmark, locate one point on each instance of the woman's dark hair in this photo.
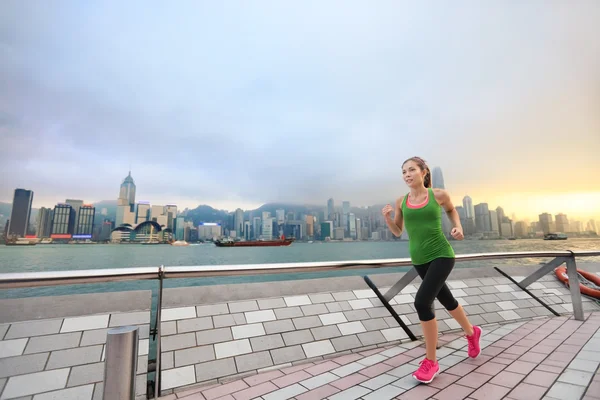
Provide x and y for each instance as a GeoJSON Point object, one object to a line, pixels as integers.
{"type": "Point", "coordinates": [423, 166]}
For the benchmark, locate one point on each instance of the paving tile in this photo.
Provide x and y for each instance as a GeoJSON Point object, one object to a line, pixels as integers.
{"type": "Point", "coordinates": [253, 317]}
{"type": "Point", "coordinates": [77, 356]}
{"type": "Point", "coordinates": [507, 379]}
{"type": "Point", "coordinates": [297, 301]}
{"type": "Point", "coordinates": [561, 390]}
{"type": "Point", "coordinates": [338, 306]}
{"type": "Point", "coordinates": [223, 390]}
{"type": "Point", "coordinates": [444, 380]}
{"type": "Point", "coordinates": [371, 338]}
{"type": "Point", "coordinates": [86, 374]}
{"type": "Point", "coordinates": [75, 324]}
{"type": "Point", "coordinates": [254, 361]}
{"type": "Point", "coordinates": [194, 324]}
{"type": "Point", "coordinates": [379, 381]}
{"type": "Point", "coordinates": [490, 392]}
{"type": "Point", "coordinates": [26, 364]}
{"type": "Point", "coordinates": [490, 368]}
{"type": "Point", "coordinates": [407, 382]}
{"type": "Point", "coordinates": [356, 315]}
{"type": "Point", "coordinates": [287, 354]}
{"type": "Point", "coordinates": [130, 318]}
{"type": "Point", "coordinates": [288, 312]}
{"type": "Point", "coordinates": [360, 304]}
{"type": "Point", "coordinates": [285, 325]}
{"type": "Point", "coordinates": [392, 334]}
{"type": "Point", "coordinates": [575, 377]}
{"type": "Point", "coordinates": [247, 331]}
{"type": "Point", "coordinates": [420, 392]}
{"type": "Point", "coordinates": [212, 310]}
{"type": "Point", "coordinates": [173, 314]}
{"type": "Point", "coordinates": [39, 382]}
{"type": "Point", "coordinates": [255, 391]}
{"type": "Point", "coordinates": [76, 393]}
{"type": "Point", "coordinates": [346, 343]}
{"type": "Point", "coordinates": [214, 369]}
{"type": "Point", "coordinates": [351, 328]}
{"type": "Point", "coordinates": [525, 391]}
{"type": "Point", "coordinates": [255, 380]}
{"type": "Point", "coordinates": [352, 393]}
{"type": "Point", "coordinates": [291, 379]}
{"type": "Point", "coordinates": [233, 348]}
{"type": "Point", "coordinates": [314, 309]}
{"type": "Point", "coordinates": [454, 392]}
{"type": "Point", "coordinates": [474, 380]}
{"type": "Point", "coordinates": [243, 306]}
{"type": "Point", "coordinates": [583, 365]}
{"type": "Point", "coordinates": [194, 355]}
{"type": "Point", "coordinates": [32, 328]}
{"type": "Point", "coordinates": [325, 332]}
{"type": "Point", "coordinates": [176, 342]}
{"type": "Point", "coordinates": [265, 304]}
{"type": "Point", "coordinates": [509, 315]}
{"type": "Point", "coordinates": [333, 318]}
{"type": "Point", "coordinates": [307, 322]}
{"type": "Point", "coordinates": [318, 348]}
{"type": "Point", "coordinates": [11, 348]}
{"type": "Point", "coordinates": [212, 336]}
{"type": "Point", "coordinates": [267, 342]}
{"type": "Point", "coordinates": [297, 337]}
{"type": "Point", "coordinates": [541, 378]}
{"type": "Point", "coordinates": [227, 320]}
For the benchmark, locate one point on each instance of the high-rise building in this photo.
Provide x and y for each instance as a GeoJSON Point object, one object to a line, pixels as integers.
{"type": "Point", "coordinates": [75, 205]}
{"type": "Point", "coordinates": [239, 222]}
{"type": "Point", "coordinates": [21, 212]}
{"type": "Point", "coordinates": [107, 227]}
{"type": "Point", "coordinates": [576, 226]}
{"type": "Point", "coordinates": [437, 178]}
{"type": "Point", "coordinates": [330, 209]}
{"type": "Point", "coordinates": [310, 225]}
{"type": "Point", "coordinates": [521, 229]}
{"type": "Point", "coordinates": [247, 230]}
{"type": "Point", "coordinates": [142, 212]}
{"type": "Point", "coordinates": [179, 228]}
{"type": "Point", "coordinates": [326, 230]}
{"type": "Point", "coordinates": [127, 191]}
{"type": "Point", "coordinates": [267, 228]}
{"type": "Point", "coordinates": [546, 222]}
{"type": "Point", "coordinates": [469, 226]}
{"type": "Point", "coordinates": [352, 225]}
{"type": "Point", "coordinates": [494, 226]}
{"type": "Point", "coordinates": [591, 226]}
{"type": "Point", "coordinates": [562, 223]}
{"type": "Point", "coordinates": [500, 218]}
{"type": "Point", "coordinates": [256, 227]}
{"type": "Point", "coordinates": [280, 215]}
{"type": "Point", "coordinates": [482, 218]}
{"type": "Point", "coordinates": [171, 212]}
{"type": "Point", "coordinates": [63, 223]}
{"type": "Point", "coordinates": [44, 223]}
{"type": "Point", "coordinates": [85, 222]}
{"type": "Point", "coordinates": [345, 214]}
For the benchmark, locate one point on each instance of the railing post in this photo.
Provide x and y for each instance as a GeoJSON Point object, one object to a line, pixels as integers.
{"type": "Point", "coordinates": [157, 373]}
{"type": "Point", "coordinates": [121, 363]}
{"type": "Point", "coordinates": [574, 287]}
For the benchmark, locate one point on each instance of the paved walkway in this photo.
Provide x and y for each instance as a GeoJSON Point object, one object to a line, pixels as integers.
{"type": "Point", "coordinates": [545, 358]}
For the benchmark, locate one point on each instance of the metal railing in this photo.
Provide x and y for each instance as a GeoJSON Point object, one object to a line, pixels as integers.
{"type": "Point", "coordinates": [59, 278]}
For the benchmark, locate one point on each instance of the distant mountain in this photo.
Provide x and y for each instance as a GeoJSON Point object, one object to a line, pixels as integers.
{"type": "Point", "coordinates": [205, 213]}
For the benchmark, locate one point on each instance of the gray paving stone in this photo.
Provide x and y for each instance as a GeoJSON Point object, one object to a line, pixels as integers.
{"type": "Point", "coordinates": [177, 342]}
{"type": "Point", "coordinates": [214, 336]}
{"type": "Point", "coordinates": [338, 306]}
{"type": "Point", "coordinates": [167, 328]}
{"type": "Point", "coordinates": [288, 312]}
{"type": "Point", "coordinates": [285, 325]}
{"type": "Point", "coordinates": [522, 303]}
{"type": "Point", "coordinates": [473, 283]}
{"type": "Point", "coordinates": [2, 383]}
{"type": "Point", "coordinates": [491, 307]}
{"type": "Point", "coordinates": [339, 296]}
{"type": "Point", "coordinates": [71, 357]}
{"type": "Point", "coordinates": [167, 360]}
{"type": "Point", "coordinates": [213, 309]}
{"type": "Point", "coordinates": [561, 390]}
{"type": "Point", "coordinates": [370, 338]}
{"type": "Point", "coordinates": [269, 304]}
{"type": "Point", "coordinates": [215, 369]}
{"type": "Point", "coordinates": [3, 329]}
{"type": "Point", "coordinates": [489, 298]}
{"type": "Point", "coordinates": [195, 324]}
{"type": "Point", "coordinates": [75, 393]}
{"type": "Point", "coordinates": [194, 355]}
{"type": "Point", "coordinates": [403, 309]}
{"type": "Point", "coordinates": [478, 319]}
{"type": "Point", "coordinates": [489, 289]}
{"type": "Point", "coordinates": [472, 310]}
{"type": "Point", "coordinates": [443, 327]}
{"type": "Point", "coordinates": [492, 317]}
{"type": "Point", "coordinates": [98, 388]}
{"type": "Point", "coordinates": [378, 312]}
{"type": "Point", "coordinates": [32, 328]}
{"type": "Point", "coordinates": [97, 336]}
{"type": "Point", "coordinates": [473, 300]}
{"type": "Point", "coordinates": [314, 309]}
{"type": "Point", "coordinates": [144, 331]}
{"type": "Point", "coordinates": [297, 337]}
{"type": "Point", "coordinates": [267, 342]}
{"type": "Point", "coordinates": [287, 354]}
{"type": "Point", "coordinates": [142, 365]}
{"type": "Point", "coordinates": [60, 341]}
{"type": "Point", "coordinates": [442, 314]}
{"type": "Point", "coordinates": [321, 298]}
{"type": "Point", "coordinates": [243, 306]}
{"type": "Point", "coordinates": [346, 343]}
{"type": "Point", "coordinates": [85, 374]}
{"type": "Point", "coordinates": [414, 317]}
{"type": "Point", "coordinates": [307, 322]}
{"type": "Point", "coordinates": [374, 324]}
{"type": "Point", "coordinates": [253, 361]}
{"type": "Point", "coordinates": [472, 291]}
{"type": "Point", "coordinates": [356, 315]}
{"type": "Point", "coordinates": [505, 296]}
{"type": "Point", "coordinates": [326, 332]}
{"type": "Point", "coordinates": [488, 281]}
{"type": "Point", "coordinates": [134, 318]}
{"type": "Point", "coordinates": [541, 311]}
{"type": "Point", "coordinates": [20, 365]}
{"type": "Point", "coordinates": [525, 313]}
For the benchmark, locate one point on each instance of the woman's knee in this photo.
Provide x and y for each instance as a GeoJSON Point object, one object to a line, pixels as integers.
{"type": "Point", "coordinates": [424, 309]}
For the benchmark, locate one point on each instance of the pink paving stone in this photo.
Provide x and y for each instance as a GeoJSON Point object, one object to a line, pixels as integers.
{"type": "Point", "coordinates": [493, 351]}
{"type": "Point", "coordinates": [376, 370]}
{"type": "Point", "coordinates": [347, 359]}
{"type": "Point", "coordinates": [556, 363]}
{"type": "Point", "coordinates": [507, 379]}
{"type": "Point", "coordinates": [500, 360]}
{"type": "Point", "coordinates": [541, 378]}
{"type": "Point", "coordinates": [461, 369]}
{"type": "Point", "coordinates": [474, 380]}
{"type": "Point", "coordinates": [482, 359]}
{"type": "Point", "coordinates": [454, 392]}
{"type": "Point", "coordinates": [490, 392]}
{"type": "Point", "coordinates": [536, 337]}
{"type": "Point", "coordinates": [296, 368]}
{"type": "Point", "coordinates": [518, 350]}
{"type": "Point", "coordinates": [228, 397]}
{"type": "Point", "coordinates": [527, 392]}
{"type": "Point", "coordinates": [258, 379]}
{"type": "Point", "coordinates": [521, 367]}
{"type": "Point", "coordinates": [318, 393]}
{"type": "Point", "coordinates": [549, 368]}
{"type": "Point", "coordinates": [255, 391]}
{"type": "Point", "coordinates": [508, 356]}
{"type": "Point", "coordinates": [224, 390]}
{"type": "Point", "coordinates": [504, 343]}
{"type": "Point", "coordinates": [370, 352]}
{"type": "Point", "coordinates": [551, 342]}
{"type": "Point", "coordinates": [543, 349]}
{"type": "Point", "coordinates": [196, 390]}
{"type": "Point", "coordinates": [533, 357]}
{"type": "Point", "coordinates": [421, 392]}
{"type": "Point", "coordinates": [566, 348]}
{"type": "Point", "coordinates": [490, 368]}
{"type": "Point", "coordinates": [398, 360]}
{"type": "Point", "coordinates": [416, 352]}
{"type": "Point", "coordinates": [291, 378]}
{"type": "Point", "coordinates": [444, 380]}
{"type": "Point", "coordinates": [321, 368]}
{"type": "Point", "coordinates": [349, 381]}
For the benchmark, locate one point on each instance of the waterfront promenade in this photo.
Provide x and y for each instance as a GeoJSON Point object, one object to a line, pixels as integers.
{"type": "Point", "coordinates": [296, 339]}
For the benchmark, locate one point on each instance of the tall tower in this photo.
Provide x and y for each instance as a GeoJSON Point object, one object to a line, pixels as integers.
{"type": "Point", "coordinates": [127, 192]}
{"type": "Point", "coordinates": [437, 182]}
{"type": "Point", "coordinates": [21, 211]}
{"type": "Point", "coordinates": [330, 210]}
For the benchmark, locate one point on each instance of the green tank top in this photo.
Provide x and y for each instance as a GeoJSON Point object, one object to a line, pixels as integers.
{"type": "Point", "coordinates": [424, 226]}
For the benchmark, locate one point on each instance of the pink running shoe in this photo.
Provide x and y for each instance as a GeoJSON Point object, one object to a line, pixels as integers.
{"type": "Point", "coordinates": [474, 348]}
{"type": "Point", "coordinates": [427, 371]}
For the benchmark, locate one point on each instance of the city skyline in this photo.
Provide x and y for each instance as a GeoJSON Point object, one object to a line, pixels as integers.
{"type": "Point", "coordinates": [276, 112]}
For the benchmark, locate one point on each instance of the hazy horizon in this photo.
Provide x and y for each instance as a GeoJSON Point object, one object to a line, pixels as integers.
{"type": "Point", "coordinates": [237, 105]}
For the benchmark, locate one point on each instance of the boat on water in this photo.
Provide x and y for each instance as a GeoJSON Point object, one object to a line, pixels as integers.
{"type": "Point", "coordinates": [254, 243]}
{"type": "Point", "coordinates": [179, 243]}
{"type": "Point", "coordinates": [21, 242]}
{"type": "Point", "coordinates": [555, 236]}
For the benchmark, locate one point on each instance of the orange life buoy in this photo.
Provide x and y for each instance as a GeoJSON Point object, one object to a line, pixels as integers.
{"type": "Point", "coordinates": [561, 274]}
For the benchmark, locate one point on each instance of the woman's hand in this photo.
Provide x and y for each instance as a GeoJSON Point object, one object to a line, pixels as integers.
{"type": "Point", "coordinates": [457, 233]}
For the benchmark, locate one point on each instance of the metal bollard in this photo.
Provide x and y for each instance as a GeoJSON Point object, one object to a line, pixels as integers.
{"type": "Point", "coordinates": [121, 363]}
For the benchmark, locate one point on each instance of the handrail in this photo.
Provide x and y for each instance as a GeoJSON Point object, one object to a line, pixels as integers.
{"type": "Point", "coordinates": [58, 278]}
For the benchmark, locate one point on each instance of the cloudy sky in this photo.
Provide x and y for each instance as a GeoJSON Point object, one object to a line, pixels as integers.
{"type": "Point", "coordinates": [239, 103]}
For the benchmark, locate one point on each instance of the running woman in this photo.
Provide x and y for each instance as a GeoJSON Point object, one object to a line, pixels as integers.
{"type": "Point", "coordinates": [420, 211]}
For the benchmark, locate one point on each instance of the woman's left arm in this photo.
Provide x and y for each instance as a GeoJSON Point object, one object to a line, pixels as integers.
{"type": "Point", "coordinates": [443, 199]}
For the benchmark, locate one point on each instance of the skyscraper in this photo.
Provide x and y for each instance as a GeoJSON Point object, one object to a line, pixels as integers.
{"type": "Point", "coordinates": [547, 223]}
{"type": "Point", "coordinates": [469, 227]}
{"type": "Point", "coordinates": [239, 222]}
{"type": "Point", "coordinates": [127, 191]}
{"type": "Point", "coordinates": [562, 223]}
{"type": "Point", "coordinates": [482, 218]}
{"type": "Point", "coordinates": [500, 214]}
{"type": "Point", "coordinates": [345, 215]}
{"type": "Point", "coordinates": [21, 212]}
{"type": "Point", "coordinates": [437, 178]}
{"type": "Point", "coordinates": [75, 205]}
{"type": "Point", "coordinates": [330, 209]}
{"type": "Point", "coordinates": [44, 225]}
{"type": "Point", "coordinates": [85, 222]}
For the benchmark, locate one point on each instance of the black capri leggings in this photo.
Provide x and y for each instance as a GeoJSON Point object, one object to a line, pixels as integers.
{"type": "Point", "coordinates": [434, 275]}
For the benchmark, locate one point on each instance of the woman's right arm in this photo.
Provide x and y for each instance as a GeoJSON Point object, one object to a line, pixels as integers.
{"type": "Point", "coordinates": [395, 224]}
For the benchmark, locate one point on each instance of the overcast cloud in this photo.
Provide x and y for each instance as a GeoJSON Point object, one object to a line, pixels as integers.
{"type": "Point", "coordinates": [239, 103]}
